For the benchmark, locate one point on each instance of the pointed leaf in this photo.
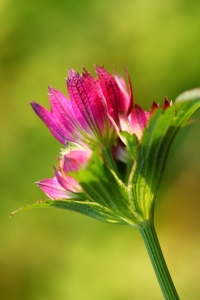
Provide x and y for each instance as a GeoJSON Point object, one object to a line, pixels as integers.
{"type": "Point", "coordinates": [93, 210]}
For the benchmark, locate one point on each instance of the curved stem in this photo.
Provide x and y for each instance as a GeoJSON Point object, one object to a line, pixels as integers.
{"type": "Point", "coordinates": [150, 238]}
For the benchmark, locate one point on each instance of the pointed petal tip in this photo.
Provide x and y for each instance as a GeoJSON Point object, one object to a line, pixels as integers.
{"type": "Point", "coordinates": [39, 182]}
{"type": "Point", "coordinates": [85, 72]}
{"type": "Point", "coordinates": [166, 103]}
{"type": "Point", "coordinates": [72, 77]}
{"type": "Point", "coordinates": [36, 106]}
{"type": "Point", "coordinates": [33, 103]}
{"type": "Point", "coordinates": [99, 69]}
{"type": "Point", "coordinates": [154, 106]}
{"type": "Point", "coordinates": [71, 72]}
{"type": "Point", "coordinates": [50, 88]}
{"type": "Point", "coordinates": [50, 91]}
{"type": "Point", "coordinates": [96, 66]}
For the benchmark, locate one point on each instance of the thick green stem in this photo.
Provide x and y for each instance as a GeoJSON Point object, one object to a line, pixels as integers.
{"type": "Point", "coordinates": [150, 238]}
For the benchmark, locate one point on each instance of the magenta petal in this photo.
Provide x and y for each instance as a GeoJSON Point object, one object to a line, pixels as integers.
{"type": "Point", "coordinates": [48, 118]}
{"type": "Point", "coordinates": [88, 105]}
{"type": "Point", "coordinates": [53, 189]}
{"type": "Point", "coordinates": [75, 159]}
{"type": "Point", "coordinates": [68, 182]}
{"type": "Point", "coordinates": [110, 91]}
{"type": "Point", "coordinates": [62, 110]}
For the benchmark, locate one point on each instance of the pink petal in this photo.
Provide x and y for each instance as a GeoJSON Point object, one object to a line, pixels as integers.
{"type": "Point", "coordinates": [48, 118]}
{"type": "Point", "coordinates": [62, 110]}
{"type": "Point", "coordinates": [110, 91]}
{"type": "Point", "coordinates": [88, 106]}
{"type": "Point", "coordinates": [68, 182]}
{"type": "Point", "coordinates": [99, 106]}
{"type": "Point", "coordinates": [138, 120]}
{"type": "Point", "coordinates": [53, 189]}
{"type": "Point", "coordinates": [75, 159]}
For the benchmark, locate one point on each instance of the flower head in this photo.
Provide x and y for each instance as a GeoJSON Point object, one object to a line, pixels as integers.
{"type": "Point", "coordinates": [115, 151]}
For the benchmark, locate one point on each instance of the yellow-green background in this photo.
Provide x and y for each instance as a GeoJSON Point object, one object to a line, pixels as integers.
{"type": "Point", "coordinates": [55, 254]}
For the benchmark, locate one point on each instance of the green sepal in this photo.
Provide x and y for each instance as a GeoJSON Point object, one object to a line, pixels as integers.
{"type": "Point", "coordinates": [87, 208]}
{"type": "Point", "coordinates": [153, 151]}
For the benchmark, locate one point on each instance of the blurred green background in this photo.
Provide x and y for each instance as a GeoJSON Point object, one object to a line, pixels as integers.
{"type": "Point", "coordinates": [56, 254]}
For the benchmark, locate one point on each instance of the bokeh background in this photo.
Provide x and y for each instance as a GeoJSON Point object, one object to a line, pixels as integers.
{"type": "Point", "coordinates": [55, 254]}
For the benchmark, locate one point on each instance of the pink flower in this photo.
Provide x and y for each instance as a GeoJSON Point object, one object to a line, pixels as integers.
{"type": "Point", "coordinates": [62, 185]}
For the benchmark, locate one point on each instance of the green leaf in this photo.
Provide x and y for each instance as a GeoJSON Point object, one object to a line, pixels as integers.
{"type": "Point", "coordinates": [93, 210]}
{"type": "Point", "coordinates": [154, 149]}
{"type": "Point", "coordinates": [102, 186]}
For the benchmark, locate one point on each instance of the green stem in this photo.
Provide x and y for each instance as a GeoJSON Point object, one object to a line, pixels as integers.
{"type": "Point", "coordinates": [107, 154]}
{"type": "Point", "coordinates": [150, 238]}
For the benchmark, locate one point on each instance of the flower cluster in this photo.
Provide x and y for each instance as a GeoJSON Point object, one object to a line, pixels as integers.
{"type": "Point", "coordinates": [96, 114]}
